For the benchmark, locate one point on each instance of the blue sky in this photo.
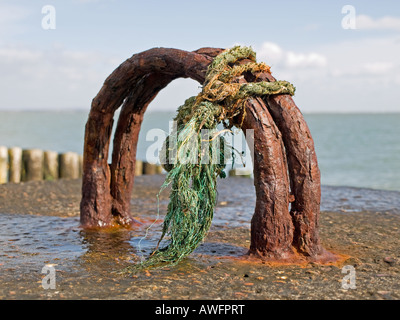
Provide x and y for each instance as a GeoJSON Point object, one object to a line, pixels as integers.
{"type": "Point", "coordinates": [334, 69]}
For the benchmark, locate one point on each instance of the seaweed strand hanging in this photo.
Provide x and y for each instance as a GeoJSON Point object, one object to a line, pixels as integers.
{"type": "Point", "coordinates": [193, 181]}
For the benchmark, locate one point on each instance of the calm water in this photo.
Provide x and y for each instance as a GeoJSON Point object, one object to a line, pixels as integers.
{"type": "Point", "coordinates": [357, 150]}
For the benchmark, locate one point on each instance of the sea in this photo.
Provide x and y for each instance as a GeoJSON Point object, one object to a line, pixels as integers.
{"type": "Point", "coordinates": [353, 150]}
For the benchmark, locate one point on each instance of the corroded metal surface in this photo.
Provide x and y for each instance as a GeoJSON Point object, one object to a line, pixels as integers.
{"type": "Point", "coordinates": [285, 163]}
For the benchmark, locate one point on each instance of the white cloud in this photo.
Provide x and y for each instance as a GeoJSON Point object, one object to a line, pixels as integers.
{"type": "Point", "coordinates": [379, 67]}
{"type": "Point", "coordinates": [51, 79]}
{"type": "Point", "coordinates": [12, 13]}
{"type": "Point", "coordinates": [270, 52]}
{"type": "Point", "coordinates": [346, 76]}
{"type": "Point", "coordinates": [350, 76]}
{"type": "Point", "coordinates": [15, 54]}
{"type": "Point", "coordinates": [362, 75]}
{"type": "Point", "coordinates": [374, 68]}
{"type": "Point", "coordinates": [385, 23]}
{"type": "Point", "coordinates": [378, 56]}
{"type": "Point", "coordinates": [274, 55]}
{"type": "Point", "coordinates": [11, 17]}
{"type": "Point", "coordinates": [305, 60]}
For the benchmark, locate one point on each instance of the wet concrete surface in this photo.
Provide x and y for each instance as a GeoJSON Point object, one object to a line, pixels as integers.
{"type": "Point", "coordinates": [39, 226]}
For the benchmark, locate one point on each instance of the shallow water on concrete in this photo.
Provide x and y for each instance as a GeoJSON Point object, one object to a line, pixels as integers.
{"type": "Point", "coordinates": [29, 242]}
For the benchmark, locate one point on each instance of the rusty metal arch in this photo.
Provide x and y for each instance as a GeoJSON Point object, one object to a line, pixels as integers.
{"type": "Point", "coordinates": [283, 144]}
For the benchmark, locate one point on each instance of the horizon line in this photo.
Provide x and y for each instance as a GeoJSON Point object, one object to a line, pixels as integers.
{"type": "Point", "coordinates": [170, 111]}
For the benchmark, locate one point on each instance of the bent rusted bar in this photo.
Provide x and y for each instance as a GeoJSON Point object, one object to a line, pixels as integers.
{"type": "Point", "coordinates": [97, 200]}
{"type": "Point", "coordinates": [106, 189]}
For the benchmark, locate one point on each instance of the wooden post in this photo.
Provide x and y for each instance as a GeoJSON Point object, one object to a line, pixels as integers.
{"type": "Point", "coordinates": [240, 173]}
{"type": "Point", "coordinates": [3, 165]}
{"type": "Point", "coordinates": [80, 159]}
{"type": "Point", "coordinates": [69, 165]}
{"type": "Point", "coordinates": [138, 168]}
{"type": "Point", "coordinates": [50, 165]}
{"type": "Point", "coordinates": [15, 164]}
{"type": "Point", "coordinates": [32, 165]}
{"type": "Point", "coordinates": [159, 169]}
{"type": "Point", "coordinates": [149, 168]}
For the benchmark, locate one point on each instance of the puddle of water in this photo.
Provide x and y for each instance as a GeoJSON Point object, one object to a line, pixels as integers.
{"type": "Point", "coordinates": [28, 242]}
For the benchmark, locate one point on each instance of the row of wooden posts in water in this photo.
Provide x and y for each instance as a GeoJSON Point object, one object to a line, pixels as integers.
{"type": "Point", "coordinates": [18, 165]}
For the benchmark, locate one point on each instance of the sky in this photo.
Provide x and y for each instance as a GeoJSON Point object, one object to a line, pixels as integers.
{"type": "Point", "coordinates": [342, 56]}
